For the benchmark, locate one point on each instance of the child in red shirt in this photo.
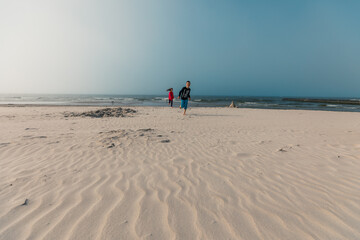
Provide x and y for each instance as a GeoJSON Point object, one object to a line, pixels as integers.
{"type": "Point", "coordinates": [171, 97]}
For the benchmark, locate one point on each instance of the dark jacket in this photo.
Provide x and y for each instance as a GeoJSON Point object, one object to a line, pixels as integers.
{"type": "Point", "coordinates": [184, 93]}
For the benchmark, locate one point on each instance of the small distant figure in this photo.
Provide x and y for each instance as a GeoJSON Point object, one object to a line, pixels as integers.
{"type": "Point", "coordinates": [184, 94]}
{"type": "Point", "coordinates": [171, 96]}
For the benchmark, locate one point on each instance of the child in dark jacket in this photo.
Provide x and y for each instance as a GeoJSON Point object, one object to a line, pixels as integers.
{"type": "Point", "coordinates": [184, 94]}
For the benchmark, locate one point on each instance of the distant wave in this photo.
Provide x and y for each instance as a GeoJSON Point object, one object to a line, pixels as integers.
{"type": "Point", "coordinates": [250, 103]}
{"type": "Point", "coordinates": [161, 100]}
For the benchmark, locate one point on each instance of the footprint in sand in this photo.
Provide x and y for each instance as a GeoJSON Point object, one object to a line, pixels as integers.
{"type": "Point", "coordinates": [4, 144]}
{"type": "Point", "coordinates": [244, 155]}
{"type": "Point", "coordinates": [39, 137]}
{"type": "Point", "coordinates": [179, 160]}
{"type": "Point", "coordinates": [33, 137]}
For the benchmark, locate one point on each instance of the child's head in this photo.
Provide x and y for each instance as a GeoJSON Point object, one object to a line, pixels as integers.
{"type": "Point", "coordinates": [170, 90]}
{"type": "Point", "coordinates": [188, 84]}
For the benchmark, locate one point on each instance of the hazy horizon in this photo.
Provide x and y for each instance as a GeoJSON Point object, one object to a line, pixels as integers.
{"type": "Point", "coordinates": [232, 48]}
{"type": "Point", "coordinates": [164, 93]}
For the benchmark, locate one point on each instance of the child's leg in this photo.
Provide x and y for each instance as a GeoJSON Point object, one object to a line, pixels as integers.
{"type": "Point", "coordinates": [185, 106]}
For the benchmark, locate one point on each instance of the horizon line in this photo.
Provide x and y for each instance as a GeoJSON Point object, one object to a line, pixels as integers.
{"type": "Point", "coordinates": [199, 95]}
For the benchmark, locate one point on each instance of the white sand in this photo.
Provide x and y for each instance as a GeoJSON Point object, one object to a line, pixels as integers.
{"type": "Point", "coordinates": [225, 174]}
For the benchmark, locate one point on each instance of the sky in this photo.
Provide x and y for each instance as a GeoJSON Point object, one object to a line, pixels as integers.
{"type": "Point", "coordinates": [236, 48]}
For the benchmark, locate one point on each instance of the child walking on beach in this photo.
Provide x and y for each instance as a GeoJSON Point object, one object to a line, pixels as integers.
{"type": "Point", "coordinates": [171, 96]}
{"type": "Point", "coordinates": [184, 94]}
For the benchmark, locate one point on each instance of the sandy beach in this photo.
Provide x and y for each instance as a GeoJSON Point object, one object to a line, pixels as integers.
{"type": "Point", "coordinates": [217, 173]}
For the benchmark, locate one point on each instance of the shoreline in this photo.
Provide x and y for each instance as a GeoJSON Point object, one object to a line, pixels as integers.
{"type": "Point", "coordinates": [161, 101]}
{"type": "Point", "coordinates": [325, 100]}
{"type": "Point", "coordinates": [161, 107]}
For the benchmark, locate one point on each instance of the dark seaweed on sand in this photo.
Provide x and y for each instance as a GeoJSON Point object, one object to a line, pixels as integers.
{"type": "Point", "coordinates": [105, 112]}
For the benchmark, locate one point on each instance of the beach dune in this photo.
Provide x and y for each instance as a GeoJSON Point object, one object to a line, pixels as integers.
{"type": "Point", "coordinates": [152, 173]}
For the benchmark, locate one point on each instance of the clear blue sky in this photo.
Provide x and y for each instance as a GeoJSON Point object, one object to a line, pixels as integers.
{"type": "Point", "coordinates": [272, 48]}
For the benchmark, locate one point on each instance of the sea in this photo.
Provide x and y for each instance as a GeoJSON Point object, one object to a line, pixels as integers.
{"type": "Point", "coordinates": [259, 102]}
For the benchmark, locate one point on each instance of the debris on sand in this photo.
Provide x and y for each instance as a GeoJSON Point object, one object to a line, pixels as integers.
{"type": "Point", "coordinates": [146, 130]}
{"type": "Point", "coordinates": [232, 105]}
{"type": "Point", "coordinates": [25, 203]}
{"type": "Point", "coordinates": [105, 112]}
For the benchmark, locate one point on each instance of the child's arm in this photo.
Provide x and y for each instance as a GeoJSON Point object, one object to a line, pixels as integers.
{"type": "Point", "coordinates": [180, 93]}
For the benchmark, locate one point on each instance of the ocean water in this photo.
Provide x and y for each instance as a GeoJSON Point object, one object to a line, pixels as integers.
{"type": "Point", "coordinates": [161, 100]}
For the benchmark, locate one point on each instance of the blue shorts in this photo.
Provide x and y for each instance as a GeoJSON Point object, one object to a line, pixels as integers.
{"type": "Point", "coordinates": [184, 103]}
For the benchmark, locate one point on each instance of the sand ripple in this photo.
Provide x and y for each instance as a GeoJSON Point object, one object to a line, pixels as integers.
{"type": "Point", "coordinates": [215, 178]}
